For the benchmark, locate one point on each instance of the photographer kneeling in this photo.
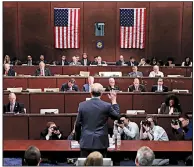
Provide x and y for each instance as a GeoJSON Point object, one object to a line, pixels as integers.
{"type": "Point", "coordinates": [183, 128]}
{"type": "Point", "coordinates": [51, 132]}
{"type": "Point", "coordinates": [152, 130]}
{"type": "Point", "coordinates": [129, 130]}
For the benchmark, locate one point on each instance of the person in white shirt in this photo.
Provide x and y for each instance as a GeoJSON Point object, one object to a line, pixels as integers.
{"type": "Point", "coordinates": [156, 72]}
{"type": "Point", "coordinates": [152, 130]}
{"type": "Point", "coordinates": [129, 130]}
{"type": "Point", "coordinates": [51, 132]}
{"type": "Point", "coordinates": [187, 62]}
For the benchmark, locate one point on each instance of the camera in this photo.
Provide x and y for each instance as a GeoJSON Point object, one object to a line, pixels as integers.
{"type": "Point", "coordinates": [120, 121]}
{"type": "Point", "coordinates": [176, 122]}
{"type": "Point", "coordinates": [55, 128]}
{"type": "Point", "coordinates": [146, 123]}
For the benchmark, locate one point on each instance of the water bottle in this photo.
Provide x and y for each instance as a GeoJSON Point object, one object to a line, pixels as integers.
{"type": "Point", "coordinates": [118, 139]}
{"type": "Point", "coordinates": [115, 132]}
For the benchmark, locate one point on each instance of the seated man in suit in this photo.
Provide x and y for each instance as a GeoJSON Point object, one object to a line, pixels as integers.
{"type": "Point", "coordinates": [29, 61]}
{"type": "Point", "coordinates": [95, 62]}
{"type": "Point", "coordinates": [63, 61]}
{"type": "Point", "coordinates": [136, 86]}
{"type": "Point", "coordinates": [8, 71]}
{"type": "Point", "coordinates": [75, 62]}
{"type": "Point", "coordinates": [87, 87]}
{"type": "Point", "coordinates": [121, 61]}
{"type": "Point", "coordinates": [84, 61]}
{"type": "Point", "coordinates": [13, 106]}
{"type": "Point", "coordinates": [135, 73]}
{"type": "Point", "coordinates": [160, 87]}
{"type": "Point", "coordinates": [51, 132]}
{"type": "Point", "coordinates": [32, 156]}
{"type": "Point", "coordinates": [156, 72]}
{"type": "Point", "coordinates": [42, 60]}
{"type": "Point", "coordinates": [132, 62]}
{"type": "Point", "coordinates": [112, 85]}
{"type": "Point", "coordinates": [100, 62]}
{"type": "Point", "coordinates": [69, 86]}
{"type": "Point", "coordinates": [42, 71]}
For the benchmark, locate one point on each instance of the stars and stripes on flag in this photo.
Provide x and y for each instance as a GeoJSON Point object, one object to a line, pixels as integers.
{"type": "Point", "coordinates": [67, 27]}
{"type": "Point", "coordinates": [132, 27]}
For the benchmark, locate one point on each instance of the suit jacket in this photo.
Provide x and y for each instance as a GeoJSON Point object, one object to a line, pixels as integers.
{"type": "Point", "coordinates": [155, 88]}
{"type": "Point", "coordinates": [136, 74]}
{"type": "Point", "coordinates": [53, 137]}
{"type": "Point", "coordinates": [86, 88]}
{"type": "Point", "coordinates": [65, 88]}
{"type": "Point", "coordinates": [119, 63]}
{"type": "Point", "coordinates": [96, 63]}
{"type": "Point", "coordinates": [88, 62]}
{"type": "Point", "coordinates": [26, 62]}
{"type": "Point", "coordinates": [18, 108]}
{"type": "Point", "coordinates": [60, 63]}
{"type": "Point", "coordinates": [109, 88]}
{"type": "Point", "coordinates": [46, 72]}
{"type": "Point", "coordinates": [11, 72]}
{"type": "Point", "coordinates": [141, 88]}
{"type": "Point", "coordinates": [77, 64]}
{"type": "Point", "coordinates": [164, 109]}
{"type": "Point", "coordinates": [135, 63]}
{"type": "Point", "coordinates": [92, 123]}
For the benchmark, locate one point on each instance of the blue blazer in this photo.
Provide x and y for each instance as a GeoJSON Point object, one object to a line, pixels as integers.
{"type": "Point", "coordinates": [86, 88]}
{"type": "Point", "coordinates": [92, 123]}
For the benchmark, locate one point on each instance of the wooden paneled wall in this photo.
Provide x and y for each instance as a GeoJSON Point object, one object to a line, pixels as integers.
{"type": "Point", "coordinates": [28, 29]}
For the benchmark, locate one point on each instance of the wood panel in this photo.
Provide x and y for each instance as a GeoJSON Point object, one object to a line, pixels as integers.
{"type": "Point", "coordinates": [35, 30]}
{"type": "Point", "coordinates": [165, 30]}
{"type": "Point", "coordinates": [127, 53]}
{"type": "Point", "coordinates": [104, 12]}
{"type": "Point", "coordinates": [187, 30]}
{"type": "Point", "coordinates": [15, 82]}
{"type": "Point", "coordinates": [67, 52]}
{"type": "Point", "coordinates": [10, 27]}
{"type": "Point", "coordinates": [46, 101]}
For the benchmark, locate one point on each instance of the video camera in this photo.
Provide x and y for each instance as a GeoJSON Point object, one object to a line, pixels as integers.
{"type": "Point", "coordinates": [120, 121]}
{"type": "Point", "coordinates": [55, 128]}
{"type": "Point", "coordinates": [176, 122]}
{"type": "Point", "coordinates": [146, 123]}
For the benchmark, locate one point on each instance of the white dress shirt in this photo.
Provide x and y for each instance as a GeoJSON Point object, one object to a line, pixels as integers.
{"type": "Point", "coordinates": [158, 133]}
{"type": "Point", "coordinates": [131, 131]}
{"type": "Point", "coordinates": [153, 74]}
{"type": "Point", "coordinates": [160, 88]}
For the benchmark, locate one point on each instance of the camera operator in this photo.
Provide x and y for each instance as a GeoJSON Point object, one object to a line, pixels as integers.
{"type": "Point", "coordinates": [51, 132]}
{"type": "Point", "coordinates": [152, 130]}
{"type": "Point", "coordinates": [129, 130]}
{"type": "Point", "coordinates": [183, 128]}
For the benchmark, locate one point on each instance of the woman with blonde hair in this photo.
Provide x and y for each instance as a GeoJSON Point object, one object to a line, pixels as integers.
{"type": "Point", "coordinates": [94, 159]}
{"type": "Point", "coordinates": [7, 60]}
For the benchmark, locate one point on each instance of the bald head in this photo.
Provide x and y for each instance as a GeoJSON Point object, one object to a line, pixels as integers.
{"type": "Point", "coordinates": [121, 58]}
{"type": "Point", "coordinates": [6, 67]}
{"type": "Point", "coordinates": [156, 68]}
{"type": "Point", "coordinates": [90, 80]}
{"type": "Point", "coordinates": [41, 65]}
{"type": "Point", "coordinates": [12, 98]}
{"type": "Point", "coordinates": [97, 90]}
{"type": "Point", "coordinates": [145, 157]}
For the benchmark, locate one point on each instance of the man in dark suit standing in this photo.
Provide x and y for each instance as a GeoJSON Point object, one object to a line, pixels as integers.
{"type": "Point", "coordinates": [13, 106]}
{"type": "Point", "coordinates": [136, 87]}
{"type": "Point", "coordinates": [160, 87]}
{"type": "Point", "coordinates": [91, 124]}
{"type": "Point", "coordinates": [69, 86]}
{"type": "Point", "coordinates": [8, 71]}
{"type": "Point", "coordinates": [42, 71]}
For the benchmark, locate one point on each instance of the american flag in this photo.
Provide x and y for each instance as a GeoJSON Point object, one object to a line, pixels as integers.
{"type": "Point", "coordinates": [132, 27]}
{"type": "Point", "coordinates": [67, 27]}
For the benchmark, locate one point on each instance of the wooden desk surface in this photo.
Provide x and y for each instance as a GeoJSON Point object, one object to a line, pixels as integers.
{"type": "Point", "coordinates": [64, 145]}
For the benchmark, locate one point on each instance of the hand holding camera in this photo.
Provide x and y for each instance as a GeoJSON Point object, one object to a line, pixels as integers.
{"type": "Point", "coordinates": [120, 123]}
{"type": "Point", "coordinates": [176, 124]}
{"type": "Point", "coordinates": [146, 125]}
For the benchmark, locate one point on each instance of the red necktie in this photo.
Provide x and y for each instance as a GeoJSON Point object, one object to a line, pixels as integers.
{"type": "Point", "coordinates": [6, 73]}
{"type": "Point", "coordinates": [41, 72]}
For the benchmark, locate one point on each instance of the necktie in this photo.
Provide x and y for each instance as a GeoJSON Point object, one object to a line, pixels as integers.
{"type": "Point", "coordinates": [62, 63]}
{"type": "Point", "coordinates": [85, 63]}
{"type": "Point", "coordinates": [6, 73]}
{"type": "Point", "coordinates": [136, 88]}
{"type": "Point", "coordinates": [41, 72]}
{"type": "Point", "coordinates": [12, 108]}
